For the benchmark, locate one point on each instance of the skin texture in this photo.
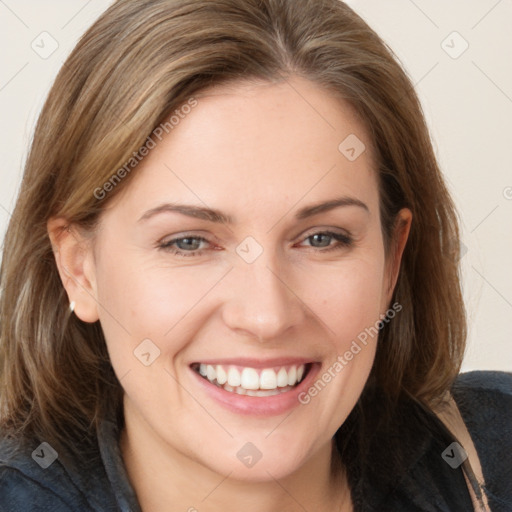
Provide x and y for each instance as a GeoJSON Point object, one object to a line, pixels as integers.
{"type": "Point", "coordinates": [259, 153]}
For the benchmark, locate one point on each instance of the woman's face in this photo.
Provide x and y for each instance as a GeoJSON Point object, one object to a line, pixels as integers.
{"type": "Point", "coordinates": [248, 247]}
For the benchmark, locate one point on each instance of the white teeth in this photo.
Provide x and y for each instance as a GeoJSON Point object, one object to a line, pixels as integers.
{"type": "Point", "coordinates": [233, 377]}
{"type": "Point", "coordinates": [265, 392]}
{"type": "Point", "coordinates": [282, 378]}
{"type": "Point", "coordinates": [222, 376]}
{"type": "Point", "coordinates": [270, 392]}
{"type": "Point", "coordinates": [268, 379]}
{"type": "Point", "coordinates": [211, 374]}
{"type": "Point", "coordinates": [250, 380]}
{"type": "Point", "coordinates": [292, 376]}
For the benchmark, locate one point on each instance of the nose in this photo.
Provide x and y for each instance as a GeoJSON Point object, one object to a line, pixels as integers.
{"type": "Point", "coordinates": [263, 303]}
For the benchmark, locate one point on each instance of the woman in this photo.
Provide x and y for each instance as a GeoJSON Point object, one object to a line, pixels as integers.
{"type": "Point", "coordinates": [230, 278]}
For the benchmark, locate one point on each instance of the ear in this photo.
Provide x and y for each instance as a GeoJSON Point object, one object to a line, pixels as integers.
{"type": "Point", "coordinates": [398, 241]}
{"type": "Point", "coordinates": [75, 263]}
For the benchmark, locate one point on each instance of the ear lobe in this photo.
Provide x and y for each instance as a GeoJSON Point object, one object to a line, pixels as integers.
{"type": "Point", "coordinates": [399, 240]}
{"type": "Point", "coordinates": [74, 259]}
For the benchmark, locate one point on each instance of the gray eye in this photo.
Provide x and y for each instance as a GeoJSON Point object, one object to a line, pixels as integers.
{"type": "Point", "coordinates": [323, 240]}
{"type": "Point", "coordinates": [188, 243]}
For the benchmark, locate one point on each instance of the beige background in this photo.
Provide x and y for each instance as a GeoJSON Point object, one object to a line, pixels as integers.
{"type": "Point", "coordinates": [467, 99]}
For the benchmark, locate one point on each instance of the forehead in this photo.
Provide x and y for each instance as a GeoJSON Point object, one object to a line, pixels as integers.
{"type": "Point", "coordinates": [271, 142]}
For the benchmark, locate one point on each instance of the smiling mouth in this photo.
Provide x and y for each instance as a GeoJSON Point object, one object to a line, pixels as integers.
{"type": "Point", "coordinates": [251, 381]}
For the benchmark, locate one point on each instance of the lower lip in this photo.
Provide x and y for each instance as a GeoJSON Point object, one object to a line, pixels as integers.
{"type": "Point", "coordinates": [258, 405]}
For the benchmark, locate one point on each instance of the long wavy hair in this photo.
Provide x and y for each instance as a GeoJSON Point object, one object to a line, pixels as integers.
{"type": "Point", "coordinates": [138, 63]}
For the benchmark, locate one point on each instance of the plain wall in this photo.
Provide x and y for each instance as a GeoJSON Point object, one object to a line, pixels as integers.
{"type": "Point", "coordinates": [466, 96]}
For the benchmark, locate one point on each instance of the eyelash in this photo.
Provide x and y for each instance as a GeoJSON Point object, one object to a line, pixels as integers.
{"type": "Point", "coordinates": [344, 241]}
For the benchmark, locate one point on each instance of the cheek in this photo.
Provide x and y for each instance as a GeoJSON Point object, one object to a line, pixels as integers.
{"type": "Point", "coordinates": [347, 299]}
{"type": "Point", "coordinates": [140, 300]}
{"type": "Point", "coordinates": [348, 302]}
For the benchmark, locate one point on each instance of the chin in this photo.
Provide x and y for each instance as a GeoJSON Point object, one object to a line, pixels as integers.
{"type": "Point", "coordinates": [260, 460]}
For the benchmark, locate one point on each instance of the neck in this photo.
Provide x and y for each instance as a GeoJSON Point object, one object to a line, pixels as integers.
{"type": "Point", "coordinates": [163, 477]}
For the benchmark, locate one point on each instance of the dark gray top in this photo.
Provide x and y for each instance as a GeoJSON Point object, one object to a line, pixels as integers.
{"type": "Point", "coordinates": [414, 468]}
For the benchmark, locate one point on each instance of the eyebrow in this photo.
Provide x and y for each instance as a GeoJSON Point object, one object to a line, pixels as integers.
{"type": "Point", "coordinates": [217, 216]}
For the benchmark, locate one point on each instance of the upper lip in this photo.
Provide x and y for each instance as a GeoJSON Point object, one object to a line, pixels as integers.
{"type": "Point", "coordinates": [256, 362]}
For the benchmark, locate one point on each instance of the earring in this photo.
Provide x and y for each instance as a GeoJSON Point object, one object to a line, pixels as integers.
{"type": "Point", "coordinates": [72, 306]}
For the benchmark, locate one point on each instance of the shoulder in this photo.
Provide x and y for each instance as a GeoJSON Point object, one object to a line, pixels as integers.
{"type": "Point", "coordinates": [33, 478]}
{"type": "Point", "coordinates": [484, 399]}
{"type": "Point", "coordinates": [21, 493]}
{"type": "Point", "coordinates": [486, 381]}
{"type": "Point", "coordinates": [24, 483]}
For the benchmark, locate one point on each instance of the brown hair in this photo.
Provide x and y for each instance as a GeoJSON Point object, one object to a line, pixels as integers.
{"type": "Point", "coordinates": [139, 62]}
